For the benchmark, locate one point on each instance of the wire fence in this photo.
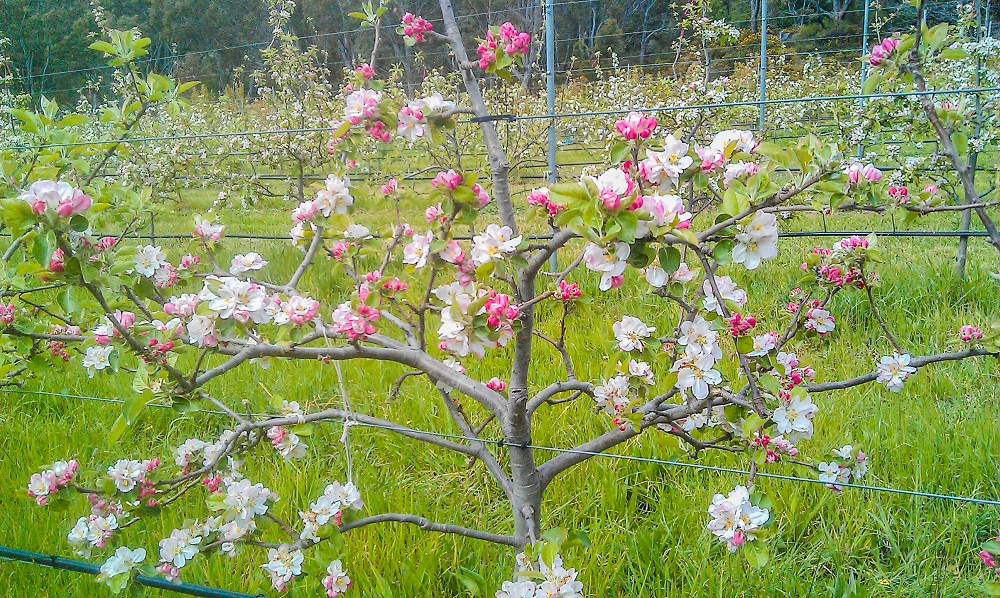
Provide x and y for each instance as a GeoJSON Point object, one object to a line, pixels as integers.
{"type": "Point", "coordinates": [499, 443]}
{"type": "Point", "coordinates": [57, 562]}
{"type": "Point", "coordinates": [762, 103]}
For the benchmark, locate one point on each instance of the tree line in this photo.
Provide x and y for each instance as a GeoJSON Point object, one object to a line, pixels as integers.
{"type": "Point", "coordinates": [218, 41]}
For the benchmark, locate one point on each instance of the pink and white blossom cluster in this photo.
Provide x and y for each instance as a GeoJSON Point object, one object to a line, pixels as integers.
{"type": "Point", "coordinates": [735, 519]}
{"type": "Point", "coordinates": [60, 197]}
{"type": "Point", "coordinates": [51, 480]}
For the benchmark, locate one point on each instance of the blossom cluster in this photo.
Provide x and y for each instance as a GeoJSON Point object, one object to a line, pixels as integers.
{"type": "Point", "coordinates": [413, 28]}
{"type": "Point", "coordinates": [57, 197]}
{"type": "Point", "coordinates": [893, 370]}
{"type": "Point", "coordinates": [636, 126]}
{"type": "Point", "coordinates": [756, 241]}
{"type": "Point", "coordinates": [553, 581]}
{"type": "Point", "coordinates": [735, 519]}
{"type": "Point", "coordinates": [850, 464]}
{"type": "Point", "coordinates": [841, 266]}
{"type": "Point", "coordinates": [51, 480]}
{"type": "Point", "coordinates": [506, 41]}
{"type": "Point", "coordinates": [474, 319]}
{"type": "Point", "coordinates": [539, 198]}
{"type": "Point", "coordinates": [412, 123]}
{"type": "Point", "coordinates": [328, 509]}
{"type": "Point", "coordinates": [883, 50]}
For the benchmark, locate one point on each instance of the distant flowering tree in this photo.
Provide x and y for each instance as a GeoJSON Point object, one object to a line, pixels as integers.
{"type": "Point", "coordinates": [678, 209]}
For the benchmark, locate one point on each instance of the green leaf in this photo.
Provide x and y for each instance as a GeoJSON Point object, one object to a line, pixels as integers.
{"type": "Point", "coordinates": [670, 259]}
{"type": "Point", "coordinates": [576, 538]}
{"type": "Point", "coordinates": [42, 247]}
{"type": "Point", "coordinates": [871, 83]}
{"type": "Point", "coordinates": [473, 582]}
{"type": "Point", "coordinates": [770, 383]}
{"type": "Point", "coordinates": [66, 300]}
{"type": "Point", "coordinates": [556, 535]}
{"type": "Point", "coordinates": [992, 547]}
{"type": "Point", "coordinates": [960, 141]}
{"type": "Point", "coordinates": [73, 120]}
{"type": "Point", "coordinates": [629, 223]}
{"type": "Point", "coordinates": [486, 270]}
{"type": "Point", "coordinates": [954, 54]}
{"type": "Point", "coordinates": [751, 424]}
{"type": "Point", "coordinates": [619, 151]}
{"type": "Point", "coordinates": [78, 223]}
{"type": "Point", "coordinates": [140, 382]}
{"type": "Point", "coordinates": [102, 46]}
{"type": "Point", "coordinates": [565, 194]}
{"type": "Point", "coordinates": [342, 129]}
{"type": "Point", "coordinates": [729, 202]}
{"type": "Point", "coordinates": [549, 552]}
{"type": "Point", "coordinates": [756, 554]}
{"type": "Point", "coordinates": [723, 252]}
{"type": "Point", "coordinates": [992, 588]}
{"type": "Point", "coordinates": [117, 429]}
{"type": "Point", "coordinates": [744, 344]}
{"type": "Point", "coordinates": [134, 405]}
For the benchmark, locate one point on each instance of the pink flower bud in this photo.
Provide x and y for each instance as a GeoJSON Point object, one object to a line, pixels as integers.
{"type": "Point", "coordinates": [496, 384]}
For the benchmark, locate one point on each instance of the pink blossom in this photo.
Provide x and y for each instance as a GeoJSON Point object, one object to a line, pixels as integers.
{"type": "Point", "coordinates": [56, 262]}
{"type": "Point", "coordinates": [988, 559]}
{"type": "Point", "coordinates": [395, 285]}
{"type": "Point", "coordinates": [452, 253]}
{"type": "Point", "coordinates": [6, 313]}
{"type": "Point", "coordinates": [635, 126]}
{"type": "Point", "coordinates": [352, 323]}
{"type": "Point", "coordinates": [739, 324]}
{"type": "Point", "coordinates": [970, 333]}
{"type": "Point", "coordinates": [871, 174]}
{"type": "Point", "coordinates": [481, 196]}
{"type": "Point", "coordinates": [305, 211]}
{"type": "Point", "coordinates": [434, 213]}
{"type": "Point", "coordinates": [390, 187]}
{"type": "Point", "coordinates": [188, 261]}
{"type": "Point", "coordinates": [540, 198]}
{"type": "Point", "coordinates": [365, 70]}
{"type": "Point", "coordinates": [931, 189]}
{"type": "Point", "coordinates": [610, 199]}
{"type": "Point", "coordinates": [212, 483]}
{"type": "Point", "coordinates": [852, 242]}
{"type": "Point", "coordinates": [567, 291]}
{"type": "Point", "coordinates": [447, 180]}
{"type": "Point", "coordinates": [415, 27]}
{"type": "Point", "coordinates": [78, 203]}
{"type": "Point", "coordinates": [496, 384]}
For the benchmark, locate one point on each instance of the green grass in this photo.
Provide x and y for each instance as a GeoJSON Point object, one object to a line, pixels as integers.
{"type": "Point", "coordinates": [646, 520]}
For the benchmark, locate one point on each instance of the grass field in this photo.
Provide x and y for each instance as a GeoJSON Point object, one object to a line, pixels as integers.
{"type": "Point", "coordinates": [646, 521]}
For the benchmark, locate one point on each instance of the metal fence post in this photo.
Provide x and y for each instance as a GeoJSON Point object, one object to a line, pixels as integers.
{"type": "Point", "coordinates": [864, 65]}
{"type": "Point", "coordinates": [550, 99]}
{"type": "Point", "coordinates": [763, 63]}
{"type": "Point", "coordinates": [963, 242]}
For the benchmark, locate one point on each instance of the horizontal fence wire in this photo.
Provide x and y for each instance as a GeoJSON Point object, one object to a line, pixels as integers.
{"type": "Point", "coordinates": [788, 235]}
{"type": "Point", "coordinates": [58, 562]}
{"type": "Point", "coordinates": [502, 443]}
{"type": "Point", "coordinates": [514, 118]}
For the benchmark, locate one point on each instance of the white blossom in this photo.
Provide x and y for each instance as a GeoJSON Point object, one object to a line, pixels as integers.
{"type": "Point", "coordinates": [893, 370]}
{"type": "Point", "coordinates": [630, 333]}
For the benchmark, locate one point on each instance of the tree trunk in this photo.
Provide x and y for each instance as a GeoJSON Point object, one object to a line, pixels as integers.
{"type": "Point", "coordinates": [754, 16]}
{"type": "Point", "coordinates": [526, 503]}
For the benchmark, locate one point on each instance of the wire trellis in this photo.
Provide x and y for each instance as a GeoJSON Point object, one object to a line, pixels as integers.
{"type": "Point", "coordinates": [554, 449]}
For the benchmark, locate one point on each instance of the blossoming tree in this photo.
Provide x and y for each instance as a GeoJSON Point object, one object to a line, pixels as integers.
{"type": "Point", "coordinates": [681, 208]}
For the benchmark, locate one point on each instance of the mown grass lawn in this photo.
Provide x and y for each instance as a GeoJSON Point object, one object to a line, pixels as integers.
{"type": "Point", "coordinates": [646, 521]}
